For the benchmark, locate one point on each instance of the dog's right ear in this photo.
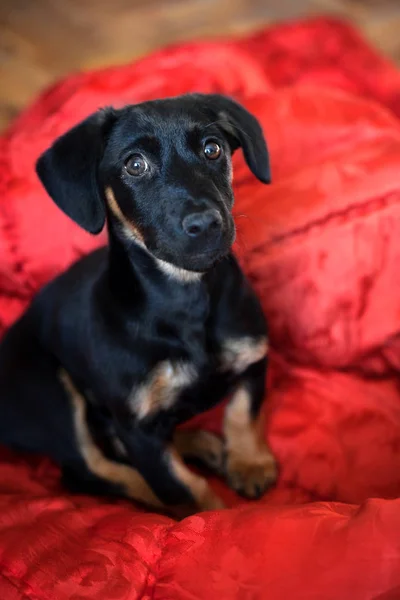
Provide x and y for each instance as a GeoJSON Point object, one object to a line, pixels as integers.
{"type": "Point", "coordinates": [68, 170]}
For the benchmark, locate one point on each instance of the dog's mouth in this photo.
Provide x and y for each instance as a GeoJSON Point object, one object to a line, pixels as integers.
{"type": "Point", "coordinates": [191, 255]}
{"type": "Point", "coordinates": [203, 260]}
{"type": "Point", "coordinates": [198, 262]}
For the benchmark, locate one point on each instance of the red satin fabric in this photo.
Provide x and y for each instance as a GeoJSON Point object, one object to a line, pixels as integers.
{"type": "Point", "coordinates": [322, 247]}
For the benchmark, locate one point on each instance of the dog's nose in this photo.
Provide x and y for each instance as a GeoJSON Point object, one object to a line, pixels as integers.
{"type": "Point", "coordinates": [198, 223]}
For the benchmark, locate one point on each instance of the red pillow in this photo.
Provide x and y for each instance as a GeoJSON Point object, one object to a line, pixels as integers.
{"type": "Point", "coordinates": [322, 247]}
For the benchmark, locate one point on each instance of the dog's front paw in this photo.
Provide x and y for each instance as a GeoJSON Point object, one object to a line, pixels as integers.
{"type": "Point", "coordinates": [203, 446]}
{"type": "Point", "coordinates": [251, 478]}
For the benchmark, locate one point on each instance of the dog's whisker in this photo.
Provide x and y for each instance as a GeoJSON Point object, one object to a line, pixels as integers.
{"type": "Point", "coordinates": [241, 216]}
{"type": "Point", "coordinates": [213, 123]}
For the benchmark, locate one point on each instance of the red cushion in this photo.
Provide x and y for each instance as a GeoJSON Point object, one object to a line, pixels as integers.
{"type": "Point", "coordinates": [322, 248]}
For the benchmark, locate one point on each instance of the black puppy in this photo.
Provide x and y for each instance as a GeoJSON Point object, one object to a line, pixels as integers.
{"type": "Point", "coordinates": [161, 325]}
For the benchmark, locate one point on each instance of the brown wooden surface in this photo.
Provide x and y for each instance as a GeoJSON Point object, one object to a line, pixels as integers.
{"type": "Point", "coordinates": [42, 40]}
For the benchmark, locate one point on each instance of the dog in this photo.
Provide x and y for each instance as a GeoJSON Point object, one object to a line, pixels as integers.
{"type": "Point", "coordinates": [159, 326]}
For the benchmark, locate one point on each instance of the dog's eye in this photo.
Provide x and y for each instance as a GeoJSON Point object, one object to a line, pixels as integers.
{"type": "Point", "coordinates": [212, 150]}
{"type": "Point", "coordinates": [136, 165]}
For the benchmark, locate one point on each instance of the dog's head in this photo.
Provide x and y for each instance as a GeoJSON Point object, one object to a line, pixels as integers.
{"type": "Point", "coordinates": [161, 172]}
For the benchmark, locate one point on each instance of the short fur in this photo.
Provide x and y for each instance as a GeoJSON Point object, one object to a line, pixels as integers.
{"type": "Point", "coordinates": [155, 328]}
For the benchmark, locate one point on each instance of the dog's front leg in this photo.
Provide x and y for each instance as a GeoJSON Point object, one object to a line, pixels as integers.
{"type": "Point", "coordinates": [155, 475]}
{"type": "Point", "coordinates": [162, 467]}
{"type": "Point", "coordinates": [250, 467]}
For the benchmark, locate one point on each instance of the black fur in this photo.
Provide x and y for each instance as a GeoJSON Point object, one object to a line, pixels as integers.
{"type": "Point", "coordinates": [115, 314]}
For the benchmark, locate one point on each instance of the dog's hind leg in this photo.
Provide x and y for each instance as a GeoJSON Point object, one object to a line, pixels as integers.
{"type": "Point", "coordinates": [96, 473]}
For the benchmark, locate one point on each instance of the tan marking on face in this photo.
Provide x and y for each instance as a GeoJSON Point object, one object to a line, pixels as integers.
{"type": "Point", "coordinates": [132, 233]}
{"type": "Point", "coordinates": [239, 353]}
{"type": "Point", "coordinates": [122, 475]}
{"type": "Point", "coordinates": [162, 389]}
{"type": "Point", "coordinates": [177, 273]}
{"type": "Point", "coordinates": [250, 465]}
{"type": "Point", "coordinates": [130, 230]}
{"type": "Point", "coordinates": [202, 445]}
{"type": "Point", "coordinates": [197, 486]}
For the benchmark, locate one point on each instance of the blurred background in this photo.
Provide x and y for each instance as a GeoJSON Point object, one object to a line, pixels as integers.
{"type": "Point", "coordinates": [42, 40]}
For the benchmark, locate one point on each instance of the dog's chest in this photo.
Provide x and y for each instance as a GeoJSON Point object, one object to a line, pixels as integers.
{"type": "Point", "coordinates": [200, 355]}
{"type": "Point", "coordinates": [171, 380]}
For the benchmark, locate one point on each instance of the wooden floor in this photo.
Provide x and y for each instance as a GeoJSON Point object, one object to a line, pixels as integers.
{"type": "Point", "coordinates": [42, 40]}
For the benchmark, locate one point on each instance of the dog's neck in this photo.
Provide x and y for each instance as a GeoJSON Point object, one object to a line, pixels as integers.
{"type": "Point", "coordinates": [133, 272]}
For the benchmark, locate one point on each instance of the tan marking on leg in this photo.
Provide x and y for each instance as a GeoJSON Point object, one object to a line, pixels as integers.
{"type": "Point", "coordinates": [129, 479]}
{"type": "Point", "coordinates": [130, 230]}
{"type": "Point", "coordinates": [239, 353]}
{"type": "Point", "coordinates": [250, 465]}
{"type": "Point", "coordinates": [162, 389]}
{"type": "Point", "coordinates": [118, 447]}
{"type": "Point", "coordinates": [202, 445]}
{"type": "Point", "coordinates": [204, 497]}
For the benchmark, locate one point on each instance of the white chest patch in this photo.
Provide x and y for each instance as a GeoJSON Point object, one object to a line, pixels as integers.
{"type": "Point", "coordinates": [239, 353]}
{"type": "Point", "coordinates": [162, 388]}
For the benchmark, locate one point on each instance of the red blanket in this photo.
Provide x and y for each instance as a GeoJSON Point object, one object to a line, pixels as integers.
{"type": "Point", "coordinates": [322, 247]}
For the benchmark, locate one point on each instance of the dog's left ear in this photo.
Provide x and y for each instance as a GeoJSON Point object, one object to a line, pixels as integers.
{"type": "Point", "coordinates": [245, 131]}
